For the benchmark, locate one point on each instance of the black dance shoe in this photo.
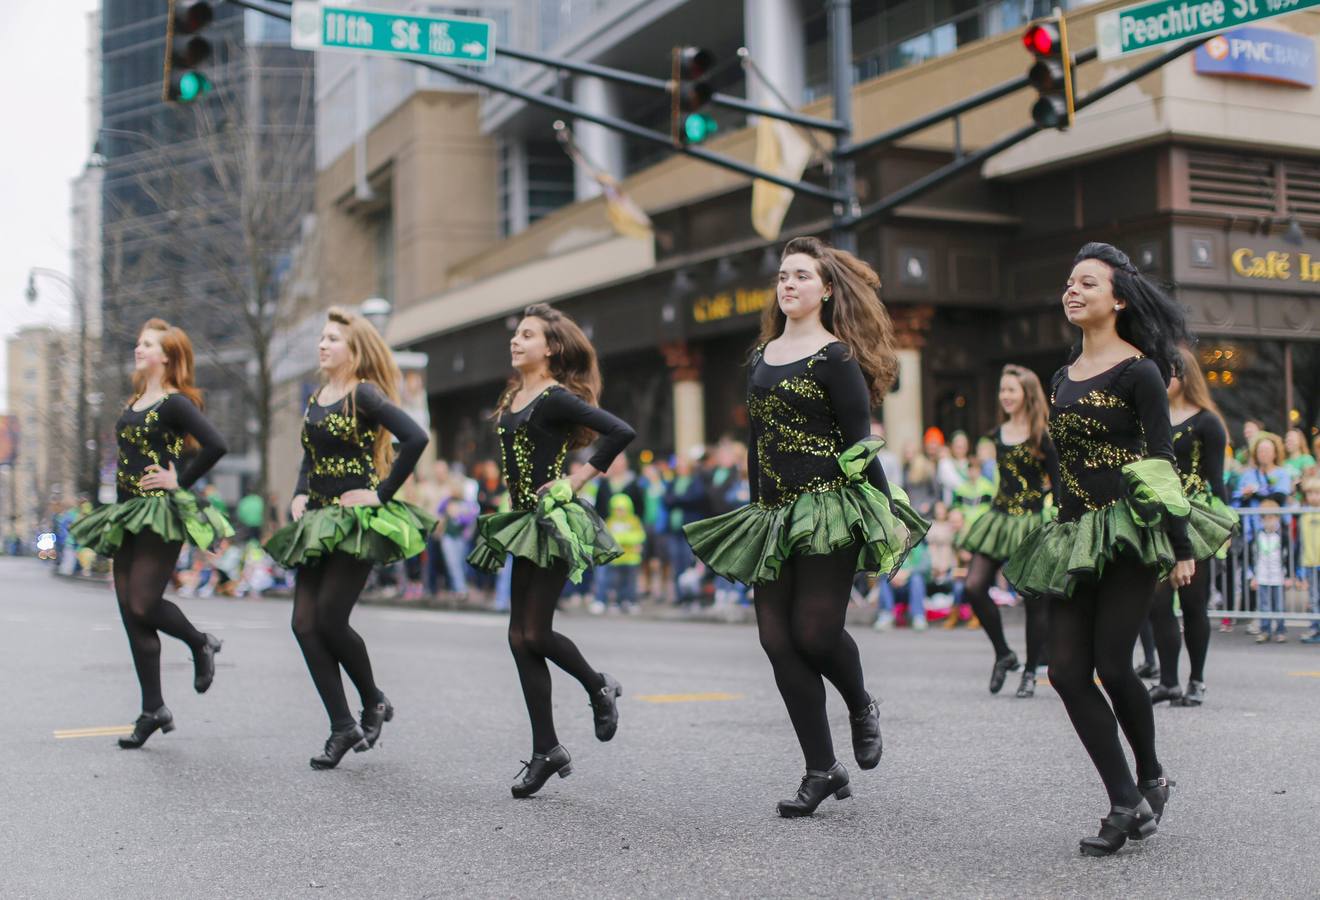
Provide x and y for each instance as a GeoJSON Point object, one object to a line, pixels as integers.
{"type": "Point", "coordinates": [373, 719]}
{"type": "Point", "coordinates": [204, 663]}
{"type": "Point", "coordinates": [146, 726]}
{"type": "Point", "coordinates": [338, 745]}
{"type": "Point", "coordinates": [1161, 692]}
{"type": "Point", "coordinates": [1147, 671]}
{"type": "Point", "coordinates": [1195, 695]}
{"type": "Point", "coordinates": [1027, 687]}
{"type": "Point", "coordinates": [1003, 665]}
{"type": "Point", "coordinates": [1137, 823]}
{"type": "Point", "coordinates": [815, 787]}
{"type": "Point", "coordinates": [605, 707]}
{"type": "Point", "coordinates": [539, 770]}
{"type": "Point", "coordinates": [868, 745]}
{"type": "Point", "coordinates": [1156, 791]}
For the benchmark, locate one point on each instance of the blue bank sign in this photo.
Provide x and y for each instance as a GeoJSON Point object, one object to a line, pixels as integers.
{"type": "Point", "coordinates": [1259, 54]}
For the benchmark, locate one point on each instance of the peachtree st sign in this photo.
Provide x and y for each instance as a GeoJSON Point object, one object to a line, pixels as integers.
{"type": "Point", "coordinates": [1148, 25]}
{"type": "Point", "coordinates": [317, 26]}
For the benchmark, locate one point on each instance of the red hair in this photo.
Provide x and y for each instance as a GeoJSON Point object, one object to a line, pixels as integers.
{"type": "Point", "coordinates": [179, 368]}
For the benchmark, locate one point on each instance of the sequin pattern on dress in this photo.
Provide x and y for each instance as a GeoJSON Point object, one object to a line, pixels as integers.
{"type": "Point", "coordinates": [341, 452]}
{"type": "Point", "coordinates": [1095, 436]}
{"type": "Point", "coordinates": [143, 440]}
{"type": "Point", "coordinates": [1021, 480]}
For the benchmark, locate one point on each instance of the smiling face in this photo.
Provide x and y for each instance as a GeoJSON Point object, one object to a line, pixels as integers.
{"type": "Point", "coordinates": [1011, 395]}
{"type": "Point", "coordinates": [1266, 455]}
{"type": "Point", "coordinates": [333, 353]}
{"type": "Point", "coordinates": [148, 355]}
{"type": "Point", "coordinates": [529, 350]}
{"type": "Point", "coordinates": [1088, 298]}
{"type": "Point", "coordinates": [801, 289]}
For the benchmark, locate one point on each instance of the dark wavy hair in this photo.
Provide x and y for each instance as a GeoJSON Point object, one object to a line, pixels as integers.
{"type": "Point", "coordinates": [572, 363]}
{"type": "Point", "coordinates": [1152, 321]}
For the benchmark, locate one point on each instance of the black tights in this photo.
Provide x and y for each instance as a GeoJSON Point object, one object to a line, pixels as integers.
{"type": "Point", "coordinates": [800, 618]}
{"type": "Point", "coordinates": [980, 576]}
{"type": "Point", "coordinates": [533, 598]}
{"type": "Point", "coordinates": [323, 598]}
{"type": "Point", "coordinates": [1194, 600]}
{"type": "Point", "coordinates": [1093, 633]}
{"type": "Point", "coordinates": [143, 567]}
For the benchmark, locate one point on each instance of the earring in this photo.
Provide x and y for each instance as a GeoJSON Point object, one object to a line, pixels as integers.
{"type": "Point", "coordinates": [825, 299]}
{"type": "Point", "coordinates": [1117, 308]}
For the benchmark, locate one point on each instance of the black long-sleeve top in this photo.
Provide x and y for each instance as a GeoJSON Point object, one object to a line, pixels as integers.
{"type": "Point", "coordinates": [803, 415]}
{"type": "Point", "coordinates": [535, 440]}
{"type": "Point", "coordinates": [339, 443]}
{"type": "Point", "coordinates": [156, 435]}
{"type": "Point", "coordinates": [1101, 424]}
{"type": "Point", "coordinates": [1199, 443]}
{"type": "Point", "coordinates": [1022, 474]}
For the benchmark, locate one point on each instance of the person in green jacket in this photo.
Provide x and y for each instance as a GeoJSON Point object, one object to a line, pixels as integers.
{"type": "Point", "coordinates": [619, 577]}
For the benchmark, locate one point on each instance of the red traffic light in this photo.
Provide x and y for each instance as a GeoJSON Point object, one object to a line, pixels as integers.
{"type": "Point", "coordinates": [192, 15]}
{"type": "Point", "coordinates": [694, 62]}
{"type": "Point", "coordinates": [1042, 40]}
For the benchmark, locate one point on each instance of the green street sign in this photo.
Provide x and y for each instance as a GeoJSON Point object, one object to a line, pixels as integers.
{"type": "Point", "coordinates": [317, 26]}
{"type": "Point", "coordinates": [1149, 25]}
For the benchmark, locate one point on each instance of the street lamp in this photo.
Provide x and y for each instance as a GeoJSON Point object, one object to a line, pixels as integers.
{"type": "Point", "coordinates": [376, 310]}
{"type": "Point", "coordinates": [88, 475]}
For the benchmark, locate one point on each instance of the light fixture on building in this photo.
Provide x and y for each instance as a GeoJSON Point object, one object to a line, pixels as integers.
{"type": "Point", "coordinates": [726, 273]}
{"type": "Point", "coordinates": [668, 313]}
{"type": "Point", "coordinates": [769, 265]}
{"type": "Point", "coordinates": [376, 310]}
{"type": "Point", "coordinates": [684, 285]}
{"type": "Point", "coordinates": [1294, 235]}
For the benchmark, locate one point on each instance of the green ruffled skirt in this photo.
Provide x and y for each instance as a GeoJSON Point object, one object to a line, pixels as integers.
{"type": "Point", "coordinates": [751, 543]}
{"type": "Point", "coordinates": [174, 517]}
{"type": "Point", "coordinates": [381, 534]}
{"type": "Point", "coordinates": [996, 534]}
{"type": "Point", "coordinates": [1058, 556]}
{"type": "Point", "coordinates": [561, 528]}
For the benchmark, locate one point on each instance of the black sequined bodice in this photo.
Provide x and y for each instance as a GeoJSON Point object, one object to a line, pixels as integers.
{"type": "Point", "coordinates": [144, 439]}
{"type": "Point", "coordinates": [339, 452]}
{"type": "Point", "coordinates": [794, 428]}
{"type": "Point", "coordinates": [1021, 478]}
{"type": "Point", "coordinates": [1097, 431]}
{"type": "Point", "coordinates": [1189, 451]}
{"type": "Point", "coordinates": [532, 453]}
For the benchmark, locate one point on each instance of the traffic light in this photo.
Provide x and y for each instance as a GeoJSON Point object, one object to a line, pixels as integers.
{"type": "Point", "coordinates": [690, 90]}
{"type": "Point", "coordinates": [186, 50]}
{"type": "Point", "coordinates": [1050, 74]}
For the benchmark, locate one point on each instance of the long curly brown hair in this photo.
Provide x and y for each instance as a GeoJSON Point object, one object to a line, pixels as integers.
{"type": "Point", "coordinates": [855, 315]}
{"type": "Point", "coordinates": [572, 363]}
{"type": "Point", "coordinates": [1033, 405]}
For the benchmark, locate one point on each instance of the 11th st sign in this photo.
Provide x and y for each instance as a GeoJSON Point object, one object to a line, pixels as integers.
{"type": "Point", "coordinates": [451, 38]}
{"type": "Point", "coordinates": [1148, 25]}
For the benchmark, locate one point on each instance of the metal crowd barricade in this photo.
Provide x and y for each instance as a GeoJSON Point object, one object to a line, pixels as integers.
{"type": "Point", "coordinates": [1232, 596]}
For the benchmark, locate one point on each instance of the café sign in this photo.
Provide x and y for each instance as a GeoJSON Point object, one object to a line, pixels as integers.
{"type": "Point", "coordinates": [1276, 265]}
{"type": "Point", "coordinates": [727, 304]}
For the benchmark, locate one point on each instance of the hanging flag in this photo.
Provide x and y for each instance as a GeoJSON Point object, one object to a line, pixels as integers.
{"type": "Point", "coordinates": [625, 216]}
{"type": "Point", "coordinates": [781, 150]}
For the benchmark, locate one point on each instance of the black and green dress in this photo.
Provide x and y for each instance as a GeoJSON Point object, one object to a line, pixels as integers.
{"type": "Point", "coordinates": [156, 436]}
{"type": "Point", "coordinates": [1018, 506]}
{"type": "Point", "coordinates": [553, 526]}
{"type": "Point", "coordinates": [1118, 491]}
{"type": "Point", "coordinates": [338, 456]}
{"type": "Point", "coordinates": [815, 482]}
{"type": "Point", "coordinates": [1198, 449]}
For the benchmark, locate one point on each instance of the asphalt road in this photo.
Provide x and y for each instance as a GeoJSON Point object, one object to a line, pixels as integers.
{"type": "Point", "coordinates": [976, 796]}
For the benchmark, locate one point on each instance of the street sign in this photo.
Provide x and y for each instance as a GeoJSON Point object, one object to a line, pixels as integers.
{"type": "Point", "coordinates": [317, 26]}
{"type": "Point", "coordinates": [1149, 25]}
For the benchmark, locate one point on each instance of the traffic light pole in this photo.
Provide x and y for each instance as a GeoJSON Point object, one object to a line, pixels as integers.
{"type": "Point", "coordinates": [843, 174]}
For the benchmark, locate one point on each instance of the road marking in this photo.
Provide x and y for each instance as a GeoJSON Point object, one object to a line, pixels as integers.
{"type": "Point", "coordinates": [100, 731]}
{"type": "Point", "coordinates": [1305, 674]}
{"type": "Point", "coordinates": [444, 617]}
{"type": "Point", "coordinates": [709, 697]}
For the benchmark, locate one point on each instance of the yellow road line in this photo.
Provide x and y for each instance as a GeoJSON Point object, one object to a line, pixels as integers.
{"type": "Point", "coordinates": [1305, 674]}
{"type": "Point", "coordinates": [688, 698]}
{"type": "Point", "coordinates": [99, 731]}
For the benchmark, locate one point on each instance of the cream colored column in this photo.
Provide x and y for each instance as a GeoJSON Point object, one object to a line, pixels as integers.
{"type": "Point", "coordinates": [689, 416]}
{"type": "Point", "coordinates": [902, 409]}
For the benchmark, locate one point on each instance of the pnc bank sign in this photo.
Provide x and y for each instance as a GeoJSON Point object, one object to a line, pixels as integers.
{"type": "Point", "coordinates": [1259, 54]}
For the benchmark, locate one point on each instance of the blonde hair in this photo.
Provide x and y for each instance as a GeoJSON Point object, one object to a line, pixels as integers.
{"type": "Point", "coordinates": [371, 361]}
{"type": "Point", "coordinates": [1272, 438]}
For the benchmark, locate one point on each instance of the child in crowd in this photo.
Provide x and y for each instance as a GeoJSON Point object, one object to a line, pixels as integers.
{"type": "Point", "coordinates": [1309, 537]}
{"type": "Point", "coordinates": [619, 578]}
{"type": "Point", "coordinates": [1269, 572]}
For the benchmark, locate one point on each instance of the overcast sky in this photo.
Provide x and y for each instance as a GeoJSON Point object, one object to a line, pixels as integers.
{"type": "Point", "coordinates": [43, 91]}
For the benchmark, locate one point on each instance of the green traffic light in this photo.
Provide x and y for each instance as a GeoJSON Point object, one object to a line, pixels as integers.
{"type": "Point", "coordinates": [192, 85]}
{"type": "Point", "coordinates": [697, 127]}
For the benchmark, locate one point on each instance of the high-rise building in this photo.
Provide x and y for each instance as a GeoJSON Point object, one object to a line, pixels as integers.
{"type": "Point", "coordinates": [40, 397]}
{"type": "Point", "coordinates": [202, 203]}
